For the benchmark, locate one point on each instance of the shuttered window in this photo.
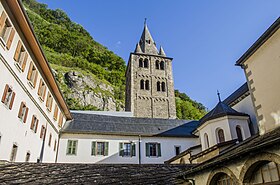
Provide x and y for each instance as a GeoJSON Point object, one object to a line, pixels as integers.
{"type": "Point", "coordinates": [99, 148]}
{"type": "Point", "coordinates": [23, 112]}
{"type": "Point", "coordinates": [60, 121]}
{"type": "Point", "coordinates": [55, 114]}
{"type": "Point", "coordinates": [127, 149]}
{"type": "Point", "coordinates": [8, 96]}
{"type": "Point", "coordinates": [34, 123]}
{"type": "Point", "coordinates": [42, 90]}
{"type": "Point", "coordinates": [20, 56]}
{"type": "Point", "coordinates": [32, 75]}
{"type": "Point", "coordinates": [153, 150]}
{"type": "Point", "coordinates": [50, 140]}
{"type": "Point", "coordinates": [49, 101]}
{"type": "Point", "coordinates": [43, 132]}
{"type": "Point", "coordinates": [72, 147]}
{"type": "Point", "coordinates": [7, 32]}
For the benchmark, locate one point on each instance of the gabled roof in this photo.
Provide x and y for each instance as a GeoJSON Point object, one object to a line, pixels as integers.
{"type": "Point", "coordinates": [237, 95]}
{"type": "Point", "coordinates": [220, 110]}
{"type": "Point", "coordinates": [132, 126]}
{"type": "Point", "coordinates": [265, 36]}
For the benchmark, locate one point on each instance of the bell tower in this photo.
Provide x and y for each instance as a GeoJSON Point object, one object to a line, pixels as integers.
{"type": "Point", "coordinates": [149, 81]}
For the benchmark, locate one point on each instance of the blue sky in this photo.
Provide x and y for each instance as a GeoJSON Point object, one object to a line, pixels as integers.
{"type": "Point", "coordinates": [204, 37]}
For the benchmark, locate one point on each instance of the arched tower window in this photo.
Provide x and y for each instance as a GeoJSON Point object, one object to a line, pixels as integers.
{"type": "Point", "coordinates": [206, 141]}
{"type": "Point", "coordinates": [158, 86]}
{"type": "Point", "coordinates": [142, 84]}
{"type": "Point", "coordinates": [146, 63]}
{"type": "Point", "coordinates": [221, 136]}
{"type": "Point", "coordinates": [162, 65]}
{"type": "Point", "coordinates": [239, 134]}
{"type": "Point", "coordinates": [157, 64]}
{"type": "Point", "coordinates": [147, 85]}
{"type": "Point", "coordinates": [163, 86]}
{"type": "Point", "coordinates": [140, 62]}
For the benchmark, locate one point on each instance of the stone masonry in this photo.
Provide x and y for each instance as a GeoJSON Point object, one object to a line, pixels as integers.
{"type": "Point", "coordinates": [149, 81]}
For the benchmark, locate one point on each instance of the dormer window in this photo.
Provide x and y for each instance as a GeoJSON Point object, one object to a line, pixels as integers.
{"type": "Point", "coordinates": [148, 41]}
{"type": "Point", "coordinates": [206, 141]}
{"type": "Point", "coordinates": [239, 134]}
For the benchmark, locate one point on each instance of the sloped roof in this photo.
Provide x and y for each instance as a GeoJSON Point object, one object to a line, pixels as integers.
{"type": "Point", "coordinates": [104, 124]}
{"type": "Point", "coordinates": [57, 173]}
{"type": "Point", "coordinates": [243, 90]}
{"type": "Point", "coordinates": [220, 110]}
{"type": "Point", "coordinates": [147, 43]}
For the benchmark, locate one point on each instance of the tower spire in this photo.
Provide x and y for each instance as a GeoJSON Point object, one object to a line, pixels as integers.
{"type": "Point", "coordinates": [147, 44]}
{"type": "Point", "coordinates": [145, 21]}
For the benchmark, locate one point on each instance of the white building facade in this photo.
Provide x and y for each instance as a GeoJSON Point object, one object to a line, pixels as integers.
{"type": "Point", "coordinates": [32, 109]}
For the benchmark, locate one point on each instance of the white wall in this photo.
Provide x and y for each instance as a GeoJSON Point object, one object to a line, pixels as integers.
{"type": "Point", "coordinates": [246, 106]}
{"type": "Point", "coordinates": [11, 128]}
{"type": "Point", "coordinates": [84, 148]}
{"type": "Point", "coordinates": [228, 124]}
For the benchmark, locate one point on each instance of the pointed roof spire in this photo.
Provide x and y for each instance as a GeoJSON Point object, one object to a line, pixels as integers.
{"type": "Point", "coordinates": [161, 52]}
{"type": "Point", "coordinates": [146, 42]}
{"type": "Point", "coordinates": [138, 49]}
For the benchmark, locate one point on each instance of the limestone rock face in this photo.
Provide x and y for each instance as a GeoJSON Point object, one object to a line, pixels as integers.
{"type": "Point", "coordinates": [84, 91]}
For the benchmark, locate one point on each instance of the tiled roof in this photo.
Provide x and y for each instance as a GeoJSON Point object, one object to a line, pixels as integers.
{"type": "Point", "coordinates": [39, 173]}
{"type": "Point", "coordinates": [250, 146]}
{"type": "Point", "coordinates": [103, 124]}
{"type": "Point", "coordinates": [241, 91]}
{"type": "Point", "coordinates": [220, 110]}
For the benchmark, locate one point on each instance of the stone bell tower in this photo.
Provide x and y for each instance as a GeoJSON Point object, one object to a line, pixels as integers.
{"type": "Point", "coordinates": [149, 81]}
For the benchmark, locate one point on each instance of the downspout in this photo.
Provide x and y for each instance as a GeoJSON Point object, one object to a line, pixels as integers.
{"type": "Point", "coordinates": [57, 147]}
{"type": "Point", "coordinates": [139, 149]}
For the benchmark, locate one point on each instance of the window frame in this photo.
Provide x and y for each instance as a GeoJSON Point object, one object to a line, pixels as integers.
{"type": "Point", "coordinates": [150, 153]}
{"type": "Point", "coordinates": [72, 147]}
{"type": "Point", "coordinates": [10, 101]}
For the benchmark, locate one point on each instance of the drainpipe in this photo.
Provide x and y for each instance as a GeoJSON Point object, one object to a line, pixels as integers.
{"type": "Point", "coordinates": [57, 147]}
{"type": "Point", "coordinates": [139, 149]}
{"type": "Point", "coordinates": [43, 145]}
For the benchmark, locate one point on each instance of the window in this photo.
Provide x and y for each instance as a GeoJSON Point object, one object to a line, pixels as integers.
{"type": "Point", "coordinates": [27, 157]}
{"type": "Point", "coordinates": [13, 153]}
{"type": "Point", "coordinates": [42, 90]}
{"type": "Point", "coordinates": [7, 32]}
{"type": "Point", "coordinates": [32, 75]}
{"type": "Point", "coordinates": [72, 147]}
{"type": "Point", "coordinates": [146, 63]}
{"type": "Point", "coordinates": [49, 101]}
{"type": "Point", "coordinates": [99, 148]}
{"type": "Point", "coordinates": [162, 65]}
{"type": "Point", "coordinates": [267, 172]}
{"type": "Point", "coordinates": [157, 64]}
{"type": "Point", "coordinates": [141, 62]}
{"type": "Point", "coordinates": [177, 150]}
{"type": "Point", "coordinates": [23, 112]}
{"type": "Point", "coordinates": [158, 86]}
{"type": "Point", "coordinates": [163, 86]}
{"type": "Point", "coordinates": [55, 114]}
{"type": "Point", "coordinates": [147, 85]}
{"type": "Point", "coordinates": [153, 150]}
{"type": "Point", "coordinates": [221, 136]}
{"type": "Point", "coordinates": [206, 141]}
{"type": "Point", "coordinates": [34, 123]}
{"type": "Point", "coordinates": [223, 179]}
{"type": "Point", "coordinates": [50, 140]}
{"type": "Point", "coordinates": [127, 149]}
{"type": "Point", "coordinates": [8, 96]}
{"type": "Point", "coordinates": [60, 121]}
{"type": "Point", "coordinates": [54, 146]}
{"type": "Point", "coordinates": [43, 132]}
{"type": "Point", "coordinates": [239, 134]}
{"type": "Point", "coordinates": [142, 84]}
{"type": "Point", "coordinates": [20, 56]}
